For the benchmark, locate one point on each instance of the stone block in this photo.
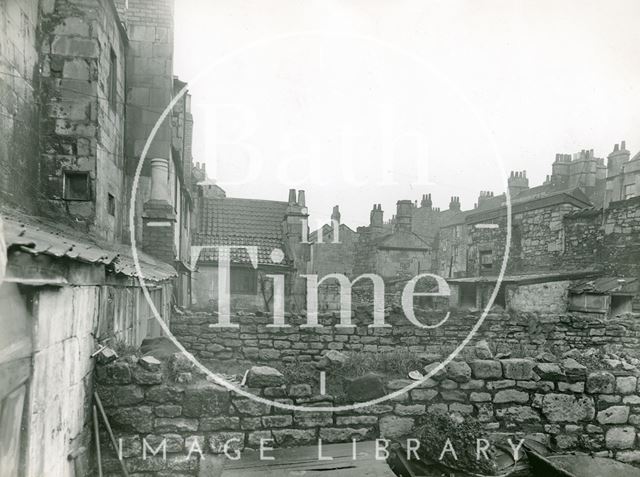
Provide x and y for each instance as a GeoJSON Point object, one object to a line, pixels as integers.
{"type": "Point", "coordinates": [251, 408]}
{"type": "Point", "coordinates": [517, 368]}
{"type": "Point", "coordinates": [423, 394]}
{"type": "Point", "coordinates": [626, 384]}
{"type": "Point", "coordinates": [264, 376]}
{"type": "Point", "coordinates": [205, 399]}
{"type": "Point", "coordinates": [511, 395]}
{"type": "Point", "coordinates": [620, 437]}
{"type": "Point", "coordinates": [254, 438]}
{"type": "Point", "coordinates": [393, 427]}
{"type": "Point", "coordinates": [173, 442]}
{"type": "Point", "coordinates": [410, 409]}
{"type": "Point", "coordinates": [138, 419]}
{"type": "Point", "coordinates": [486, 369]}
{"type": "Point", "coordinates": [480, 397]}
{"type": "Point", "coordinates": [344, 434]}
{"type": "Point", "coordinates": [277, 421]}
{"type": "Point", "coordinates": [231, 441]}
{"type": "Point", "coordinates": [601, 382]}
{"type": "Point", "coordinates": [222, 423]}
{"type": "Point", "coordinates": [168, 410]}
{"type": "Point", "coordinates": [120, 395]}
{"type": "Point", "coordinates": [312, 418]}
{"type": "Point", "coordinates": [116, 372]}
{"type": "Point", "coordinates": [482, 350]}
{"type": "Point", "coordinates": [294, 437]}
{"type": "Point", "coordinates": [165, 394]}
{"type": "Point", "coordinates": [149, 363]}
{"type": "Point", "coordinates": [458, 371]}
{"type": "Point", "coordinates": [299, 390]}
{"type": "Point", "coordinates": [141, 376]}
{"type": "Point", "coordinates": [73, 46]}
{"type": "Point", "coordinates": [614, 415]}
{"type": "Point", "coordinates": [76, 69]}
{"type": "Point", "coordinates": [175, 424]}
{"type": "Point", "coordinates": [568, 408]}
{"type": "Point", "coordinates": [356, 420]}
{"type": "Point", "coordinates": [549, 371]}
{"type": "Point", "coordinates": [518, 414]}
{"type": "Point", "coordinates": [365, 388]}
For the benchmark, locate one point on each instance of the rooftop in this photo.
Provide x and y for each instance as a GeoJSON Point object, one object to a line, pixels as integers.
{"type": "Point", "coordinates": [248, 222]}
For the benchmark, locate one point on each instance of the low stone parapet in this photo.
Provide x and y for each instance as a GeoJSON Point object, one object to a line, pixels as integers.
{"type": "Point", "coordinates": [181, 416]}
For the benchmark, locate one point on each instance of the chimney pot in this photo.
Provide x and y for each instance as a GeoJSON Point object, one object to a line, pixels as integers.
{"type": "Point", "coordinates": [292, 196]}
{"type": "Point", "coordinates": [301, 198]}
{"type": "Point", "coordinates": [623, 145]}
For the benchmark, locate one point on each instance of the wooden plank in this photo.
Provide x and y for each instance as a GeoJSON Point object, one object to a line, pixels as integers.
{"type": "Point", "coordinates": [305, 461]}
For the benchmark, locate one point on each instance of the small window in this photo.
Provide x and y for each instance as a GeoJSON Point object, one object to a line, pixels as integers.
{"type": "Point", "coordinates": [244, 281]}
{"type": "Point", "coordinates": [113, 80]}
{"type": "Point", "coordinates": [486, 259]}
{"type": "Point", "coordinates": [111, 205]}
{"type": "Point", "coordinates": [76, 186]}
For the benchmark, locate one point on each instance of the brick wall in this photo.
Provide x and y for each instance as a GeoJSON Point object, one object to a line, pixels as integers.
{"type": "Point", "coordinates": [562, 403]}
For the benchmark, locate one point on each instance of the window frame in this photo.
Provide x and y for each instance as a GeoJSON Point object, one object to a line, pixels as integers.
{"type": "Point", "coordinates": [66, 175]}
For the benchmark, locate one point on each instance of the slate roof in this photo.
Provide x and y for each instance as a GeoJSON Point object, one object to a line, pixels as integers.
{"type": "Point", "coordinates": [250, 222]}
{"type": "Point", "coordinates": [38, 236]}
{"type": "Point", "coordinates": [402, 240]}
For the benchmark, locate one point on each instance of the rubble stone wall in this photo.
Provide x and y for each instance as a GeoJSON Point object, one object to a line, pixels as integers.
{"type": "Point", "coordinates": [170, 410]}
{"type": "Point", "coordinates": [529, 333]}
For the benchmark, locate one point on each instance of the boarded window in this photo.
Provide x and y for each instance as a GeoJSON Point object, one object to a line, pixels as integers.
{"type": "Point", "coordinates": [486, 259]}
{"type": "Point", "coordinates": [244, 281]}
{"type": "Point", "coordinates": [76, 186]}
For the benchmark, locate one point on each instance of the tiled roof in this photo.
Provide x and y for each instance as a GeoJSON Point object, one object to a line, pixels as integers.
{"type": "Point", "coordinates": [39, 236]}
{"type": "Point", "coordinates": [250, 222]}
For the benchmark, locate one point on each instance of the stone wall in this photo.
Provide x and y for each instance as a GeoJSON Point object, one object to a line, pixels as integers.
{"type": "Point", "coordinates": [18, 106]}
{"type": "Point", "coordinates": [254, 341]}
{"type": "Point", "coordinates": [82, 128]}
{"type": "Point", "coordinates": [170, 410]}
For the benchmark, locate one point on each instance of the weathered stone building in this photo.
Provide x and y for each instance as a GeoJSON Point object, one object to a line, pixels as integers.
{"type": "Point", "coordinates": [399, 255]}
{"type": "Point", "coordinates": [77, 82]}
{"type": "Point", "coordinates": [275, 228]}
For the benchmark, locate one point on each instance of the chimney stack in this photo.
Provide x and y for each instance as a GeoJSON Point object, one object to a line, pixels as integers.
{"type": "Point", "coordinates": [484, 196]}
{"type": "Point", "coordinates": [376, 219]}
{"type": "Point", "coordinates": [301, 199]}
{"type": "Point", "coordinates": [158, 216]}
{"type": "Point", "coordinates": [616, 159]}
{"type": "Point", "coordinates": [426, 201]}
{"type": "Point", "coordinates": [518, 183]}
{"type": "Point", "coordinates": [404, 214]}
{"type": "Point", "coordinates": [454, 203]}
{"type": "Point", "coordinates": [335, 215]}
{"type": "Point", "coordinates": [292, 197]}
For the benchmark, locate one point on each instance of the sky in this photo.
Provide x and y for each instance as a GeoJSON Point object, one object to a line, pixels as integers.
{"type": "Point", "coordinates": [369, 101]}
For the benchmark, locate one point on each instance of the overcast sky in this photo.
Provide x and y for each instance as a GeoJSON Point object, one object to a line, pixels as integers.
{"type": "Point", "coordinates": [370, 101]}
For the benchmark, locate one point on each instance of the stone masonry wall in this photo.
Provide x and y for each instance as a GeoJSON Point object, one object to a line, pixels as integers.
{"type": "Point", "coordinates": [153, 405]}
{"type": "Point", "coordinates": [254, 341]}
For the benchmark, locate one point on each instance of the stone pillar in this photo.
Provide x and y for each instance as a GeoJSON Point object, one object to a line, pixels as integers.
{"type": "Point", "coordinates": [159, 217]}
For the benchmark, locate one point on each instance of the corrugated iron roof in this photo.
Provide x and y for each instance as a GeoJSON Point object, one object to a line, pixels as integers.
{"type": "Point", "coordinates": [37, 236]}
{"type": "Point", "coordinates": [248, 222]}
{"type": "Point", "coordinates": [607, 286]}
